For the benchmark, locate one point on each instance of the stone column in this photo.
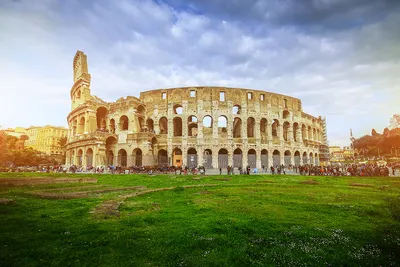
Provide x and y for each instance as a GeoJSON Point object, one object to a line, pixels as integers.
{"type": "Point", "coordinates": [245, 158]}
{"type": "Point", "coordinates": [270, 159]}
{"type": "Point", "coordinates": [200, 157]}
{"type": "Point", "coordinates": [269, 130]}
{"type": "Point", "coordinates": [184, 157]}
{"type": "Point", "coordinates": [258, 160]}
{"type": "Point", "coordinates": [156, 127]}
{"type": "Point", "coordinates": [282, 157]}
{"type": "Point", "coordinates": [257, 129]}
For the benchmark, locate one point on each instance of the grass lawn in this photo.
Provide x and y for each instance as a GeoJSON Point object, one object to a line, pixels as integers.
{"type": "Point", "coordinates": [174, 220]}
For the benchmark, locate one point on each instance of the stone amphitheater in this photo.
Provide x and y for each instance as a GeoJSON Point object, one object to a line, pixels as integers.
{"type": "Point", "coordinates": [192, 126]}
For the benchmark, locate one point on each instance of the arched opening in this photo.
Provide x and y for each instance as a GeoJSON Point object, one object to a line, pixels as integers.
{"type": "Point", "coordinates": [275, 130]}
{"type": "Point", "coordinates": [162, 157]}
{"type": "Point", "coordinates": [177, 157]}
{"type": "Point", "coordinates": [310, 137]}
{"type": "Point", "coordinates": [150, 125]}
{"type": "Point", "coordinates": [250, 127]}
{"type": "Point", "coordinates": [251, 158]}
{"type": "Point", "coordinates": [311, 158]}
{"type": "Point", "coordinates": [89, 157]}
{"type": "Point", "coordinates": [163, 123]}
{"type": "Point", "coordinates": [192, 126]}
{"type": "Point", "coordinates": [304, 132]}
{"type": "Point", "coordinates": [192, 158]}
{"type": "Point", "coordinates": [141, 110]}
{"type": "Point", "coordinates": [142, 125]}
{"type": "Point", "coordinates": [177, 126]}
{"type": "Point", "coordinates": [178, 109]}
{"type": "Point", "coordinates": [264, 158]}
{"type": "Point", "coordinates": [110, 148]}
{"type": "Point", "coordinates": [286, 115]}
{"type": "Point", "coordinates": [81, 126]}
{"type": "Point", "coordinates": [288, 158]}
{"type": "Point", "coordinates": [305, 159]}
{"type": "Point", "coordinates": [237, 128]}
{"type": "Point", "coordinates": [137, 157]}
{"type": "Point", "coordinates": [222, 158]}
{"type": "Point", "coordinates": [101, 115]}
{"type": "Point", "coordinates": [207, 125]}
{"type": "Point", "coordinates": [314, 134]}
{"type": "Point", "coordinates": [297, 158]}
{"type": "Point", "coordinates": [264, 130]}
{"type": "Point", "coordinates": [122, 158]}
{"type": "Point", "coordinates": [74, 127]}
{"type": "Point", "coordinates": [123, 123]}
{"type": "Point", "coordinates": [207, 157]}
{"type": "Point", "coordinates": [316, 159]}
{"type": "Point", "coordinates": [110, 158]}
{"type": "Point", "coordinates": [237, 158]}
{"type": "Point", "coordinates": [276, 158]}
{"type": "Point", "coordinates": [222, 125]}
{"type": "Point", "coordinates": [79, 157]}
{"type": "Point", "coordinates": [236, 109]}
{"type": "Point", "coordinates": [78, 94]}
{"type": "Point", "coordinates": [72, 157]}
{"type": "Point", "coordinates": [112, 126]}
{"type": "Point", "coordinates": [286, 126]}
{"type": "Point", "coordinates": [295, 131]}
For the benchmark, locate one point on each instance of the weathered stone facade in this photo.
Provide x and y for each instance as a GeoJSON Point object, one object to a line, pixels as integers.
{"type": "Point", "coordinates": [191, 126]}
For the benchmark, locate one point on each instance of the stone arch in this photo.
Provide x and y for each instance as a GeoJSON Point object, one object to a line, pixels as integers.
{"type": "Point", "coordinates": [311, 158]}
{"type": "Point", "coordinates": [207, 157]}
{"type": "Point", "coordinates": [72, 157]}
{"type": "Point", "coordinates": [223, 158]}
{"type": "Point", "coordinates": [310, 133]}
{"type": "Point", "coordinates": [264, 158]}
{"type": "Point", "coordinates": [81, 126]}
{"type": "Point", "coordinates": [237, 158]}
{"type": "Point", "coordinates": [150, 125]}
{"type": "Point", "coordinates": [192, 157]}
{"type": "Point", "coordinates": [288, 158]}
{"type": "Point", "coordinates": [89, 157]}
{"type": "Point", "coordinates": [122, 158]}
{"type": "Point", "coordinates": [178, 109]}
{"type": "Point", "coordinates": [295, 131]}
{"type": "Point", "coordinates": [316, 159]}
{"type": "Point", "coordinates": [264, 130]}
{"type": "Point", "coordinates": [207, 125]}
{"type": "Point", "coordinates": [297, 158]}
{"type": "Point", "coordinates": [314, 134]}
{"type": "Point", "coordinates": [110, 158]}
{"type": "Point", "coordinates": [141, 110]}
{"type": "Point", "coordinates": [192, 126]}
{"type": "Point", "coordinates": [222, 125]}
{"type": "Point", "coordinates": [252, 158]}
{"type": "Point", "coordinates": [142, 125]}
{"type": "Point", "coordinates": [162, 157]}
{"type": "Point", "coordinates": [79, 157]}
{"type": "Point", "coordinates": [276, 158]}
{"type": "Point", "coordinates": [305, 158]}
{"type": "Point", "coordinates": [124, 123]}
{"type": "Point", "coordinates": [304, 133]}
{"type": "Point", "coordinates": [177, 121]}
{"type": "Point", "coordinates": [275, 128]}
{"type": "Point", "coordinates": [250, 127]}
{"type": "Point", "coordinates": [177, 157]}
{"type": "Point", "coordinates": [112, 126]}
{"type": "Point", "coordinates": [137, 157]}
{"type": "Point", "coordinates": [286, 115]}
{"type": "Point", "coordinates": [101, 115]}
{"type": "Point", "coordinates": [237, 127]}
{"type": "Point", "coordinates": [236, 109]}
{"type": "Point", "coordinates": [163, 123]}
{"type": "Point", "coordinates": [286, 126]}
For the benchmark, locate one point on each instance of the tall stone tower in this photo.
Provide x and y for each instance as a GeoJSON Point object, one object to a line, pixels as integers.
{"type": "Point", "coordinates": [80, 91]}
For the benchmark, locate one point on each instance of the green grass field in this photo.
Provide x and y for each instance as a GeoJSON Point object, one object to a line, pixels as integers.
{"type": "Point", "coordinates": [168, 220]}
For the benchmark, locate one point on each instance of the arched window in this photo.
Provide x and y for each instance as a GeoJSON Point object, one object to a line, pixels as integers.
{"type": "Point", "coordinates": [236, 109]}
{"type": "Point", "coordinates": [124, 123]}
{"type": "Point", "coordinates": [286, 127]}
{"type": "Point", "coordinates": [177, 126]}
{"type": "Point", "coordinates": [237, 128]}
{"type": "Point", "coordinates": [275, 126]}
{"type": "Point", "coordinates": [101, 115]}
{"type": "Point", "coordinates": [250, 127]}
{"type": "Point", "coordinates": [178, 109]}
{"type": "Point", "coordinates": [163, 125]}
{"type": "Point", "coordinates": [192, 126]}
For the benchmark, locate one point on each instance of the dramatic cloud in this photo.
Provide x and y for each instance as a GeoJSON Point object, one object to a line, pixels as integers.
{"type": "Point", "coordinates": [341, 58]}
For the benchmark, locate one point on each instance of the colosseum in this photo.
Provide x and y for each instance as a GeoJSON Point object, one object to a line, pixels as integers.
{"type": "Point", "coordinates": [191, 126]}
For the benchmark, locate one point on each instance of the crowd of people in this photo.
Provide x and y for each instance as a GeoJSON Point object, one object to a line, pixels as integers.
{"type": "Point", "coordinates": [392, 169]}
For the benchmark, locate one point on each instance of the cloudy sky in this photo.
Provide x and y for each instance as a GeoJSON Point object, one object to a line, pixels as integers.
{"type": "Point", "coordinates": [340, 57]}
